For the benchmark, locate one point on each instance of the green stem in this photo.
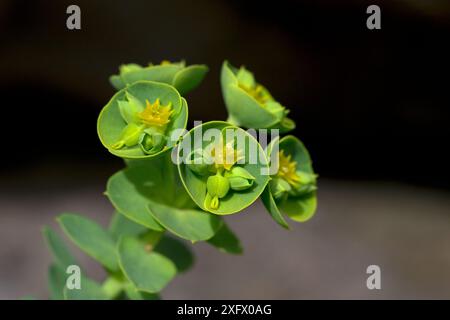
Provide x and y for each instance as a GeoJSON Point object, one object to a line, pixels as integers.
{"type": "Point", "coordinates": [112, 287]}
{"type": "Point", "coordinates": [233, 121]}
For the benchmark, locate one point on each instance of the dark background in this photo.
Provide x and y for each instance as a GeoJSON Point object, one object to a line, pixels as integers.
{"type": "Point", "coordinates": [368, 103]}
{"type": "Point", "coordinates": [372, 106]}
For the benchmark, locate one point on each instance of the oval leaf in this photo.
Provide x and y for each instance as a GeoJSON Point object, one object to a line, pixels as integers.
{"type": "Point", "coordinates": [90, 290]}
{"type": "Point", "coordinates": [176, 251]}
{"type": "Point", "coordinates": [226, 241]}
{"type": "Point", "coordinates": [189, 224]}
{"type": "Point", "coordinates": [148, 271]}
{"type": "Point", "coordinates": [91, 238]}
{"type": "Point", "coordinates": [59, 250]}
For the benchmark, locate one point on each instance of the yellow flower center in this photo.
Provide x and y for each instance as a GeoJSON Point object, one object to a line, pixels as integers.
{"type": "Point", "coordinates": [225, 156]}
{"type": "Point", "coordinates": [165, 62]}
{"type": "Point", "coordinates": [257, 92]}
{"type": "Point", "coordinates": [155, 114]}
{"type": "Point", "coordinates": [287, 169]}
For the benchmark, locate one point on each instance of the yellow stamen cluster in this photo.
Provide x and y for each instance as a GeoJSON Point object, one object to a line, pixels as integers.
{"type": "Point", "coordinates": [257, 92]}
{"type": "Point", "coordinates": [156, 114]}
{"type": "Point", "coordinates": [165, 62]}
{"type": "Point", "coordinates": [287, 169]}
{"type": "Point", "coordinates": [225, 156]}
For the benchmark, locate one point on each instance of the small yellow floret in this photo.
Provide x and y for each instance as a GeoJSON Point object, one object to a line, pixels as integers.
{"type": "Point", "coordinates": [257, 92]}
{"type": "Point", "coordinates": [155, 114]}
{"type": "Point", "coordinates": [288, 169]}
{"type": "Point", "coordinates": [225, 156]}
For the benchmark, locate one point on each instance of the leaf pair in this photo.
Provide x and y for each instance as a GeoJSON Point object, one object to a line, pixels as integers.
{"type": "Point", "coordinates": [183, 78]}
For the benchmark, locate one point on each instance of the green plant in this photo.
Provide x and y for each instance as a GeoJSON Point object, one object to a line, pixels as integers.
{"type": "Point", "coordinates": [177, 185]}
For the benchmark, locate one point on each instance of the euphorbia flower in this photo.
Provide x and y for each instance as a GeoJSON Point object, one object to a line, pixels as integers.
{"type": "Point", "coordinates": [217, 161]}
{"type": "Point", "coordinates": [219, 176]}
{"type": "Point", "coordinates": [146, 113]}
{"type": "Point", "coordinates": [183, 78]}
{"type": "Point", "coordinates": [249, 103]}
{"type": "Point", "coordinates": [291, 189]}
{"type": "Point", "coordinates": [146, 126]}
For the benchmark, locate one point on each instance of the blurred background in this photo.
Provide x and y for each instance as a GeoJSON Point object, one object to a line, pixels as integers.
{"type": "Point", "coordinates": [372, 106]}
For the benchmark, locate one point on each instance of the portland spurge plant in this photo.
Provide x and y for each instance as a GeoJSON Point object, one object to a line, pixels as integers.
{"type": "Point", "coordinates": [176, 185]}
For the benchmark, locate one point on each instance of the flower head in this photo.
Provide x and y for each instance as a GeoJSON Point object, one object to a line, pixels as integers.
{"type": "Point", "coordinates": [156, 114]}
{"type": "Point", "coordinates": [288, 169]}
{"type": "Point", "coordinates": [225, 155]}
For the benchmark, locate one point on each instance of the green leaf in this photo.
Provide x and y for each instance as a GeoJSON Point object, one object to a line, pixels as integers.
{"type": "Point", "coordinates": [129, 109]}
{"type": "Point", "coordinates": [135, 294]}
{"type": "Point", "coordinates": [116, 81]}
{"type": "Point", "coordinates": [179, 121]}
{"type": "Point", "coordinates": [91, 238]}
{"type": "Point", "coordinates": [122, 226]}
{"type": "Point", "coordinates": [272, 207]}
{"type": "Point", "coordinates": [245, 77]}
{"type": "Point", "coordinates": [189, 78]}
{"type": "Point", "coordinates": [148, 271]}
{"type": "Point", "coordinates": [130, 190]}
{"type": "Point", "coordinates": [60, 252]}
{"type": "Point", "coordinates": [56, 281]}
{"type": "Point", "coordinates": [90, 290]}
{"type": "Point", "coordinates": [226, 241]}
{"type": "Point", "coordinates": [157, 73]}
{"type": "Point", "coordinates": [189, 224]}
{"type": "Point", "coordinates": [176, 251]}
{"type": "Point", "coordinates": [301, 208]}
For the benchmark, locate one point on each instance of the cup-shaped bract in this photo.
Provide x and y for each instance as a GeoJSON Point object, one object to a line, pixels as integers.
{"type": "Point", "coordinates": [142, 120]}
{"type": "Point", "coordinates": [183, 78]}
{"type": "Point", "coordinates": [249, 103]}
{"type": "Point", "coordinates": [223, 168]}
{"type": "Point", "coordinates": [292, 188]}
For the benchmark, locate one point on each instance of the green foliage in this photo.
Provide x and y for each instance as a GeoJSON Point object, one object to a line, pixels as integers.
{"type": "Point", "coordinates": [91, 238]}
{"type": "Point", "coordinates": [174, 189]}
{"type": "Point", "coordinates": [183, 78]}
{"type": "Point", "coordinates": [147, 270]}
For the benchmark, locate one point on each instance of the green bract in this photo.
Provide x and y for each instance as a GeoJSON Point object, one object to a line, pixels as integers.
{"type": "Point", "coordinates": [249, 103]}
{"type": "Point", "coordinates": [183, 78]}
{"type": "Point", "coordinates": [292, 189]}
{"type": "Point", "coordinates": [223, 179]}
{"type": "Point", "coordinates": [142, 120]}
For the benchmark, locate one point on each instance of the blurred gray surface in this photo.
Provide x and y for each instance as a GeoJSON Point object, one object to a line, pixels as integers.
{"type": "Point", "coordinates": [403, 229]}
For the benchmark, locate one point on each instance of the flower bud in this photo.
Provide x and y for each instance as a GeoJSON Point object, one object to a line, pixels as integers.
{"type": "Point", "coordinates": [307, 183]}
{"type": "Point", "coordinates": [217, 187]}
{"type": "Point", "coordinates": [280, 188]}
{"type": "Point", "coordinates": [152, 141]}
{"type": "Point", "coordinates": [239, 178]}
{"type": "Point", "coordinates": [129, 137]}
